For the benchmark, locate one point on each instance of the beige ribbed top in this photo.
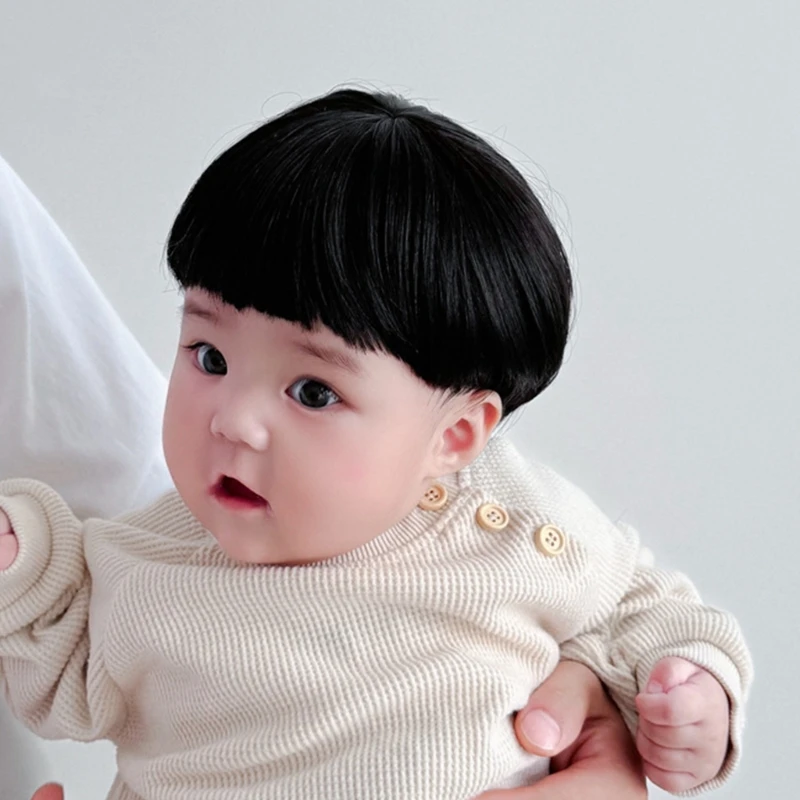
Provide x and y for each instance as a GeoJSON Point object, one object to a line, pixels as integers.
{"type": "Point", "coordinates": [390, 672]}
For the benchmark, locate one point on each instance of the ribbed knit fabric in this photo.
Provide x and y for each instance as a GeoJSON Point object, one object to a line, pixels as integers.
{"type": "Point", "coordinates": [392, 671]}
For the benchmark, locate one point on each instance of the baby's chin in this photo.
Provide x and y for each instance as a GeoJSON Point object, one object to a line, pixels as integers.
{"type": "Point", "coordinates": [255, 550]}
{"type": "Point", "coordinates": [257, 538]}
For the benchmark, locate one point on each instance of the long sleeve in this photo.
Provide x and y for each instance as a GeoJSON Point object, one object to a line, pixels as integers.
{"type": "Point", "coordinates": [661, 615]}
{"type": "Point", "coordinates": [54, 683]}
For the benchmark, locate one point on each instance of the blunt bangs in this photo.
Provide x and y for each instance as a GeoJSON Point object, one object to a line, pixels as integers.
{"type": "Point", "coordinates": [395, 228]}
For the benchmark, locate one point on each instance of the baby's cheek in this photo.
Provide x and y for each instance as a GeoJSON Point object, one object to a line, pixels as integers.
{"type": "Point", "coordinates": [372, 484]}
{"type": "Point", "coordinates": [341, 461]}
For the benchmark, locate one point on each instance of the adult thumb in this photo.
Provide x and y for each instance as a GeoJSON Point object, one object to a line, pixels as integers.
{"type": "Point", "coordinates": [50, 791]}
{"type": "Point", "coordinates": [556, 711]}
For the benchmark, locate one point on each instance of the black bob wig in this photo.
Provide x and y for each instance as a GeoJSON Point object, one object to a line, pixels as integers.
{"type": "Point", "coordinates": [396, 228]}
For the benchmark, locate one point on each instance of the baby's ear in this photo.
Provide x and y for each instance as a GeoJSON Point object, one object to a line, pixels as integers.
{"type": "Point", "coordinates": [466, 431]}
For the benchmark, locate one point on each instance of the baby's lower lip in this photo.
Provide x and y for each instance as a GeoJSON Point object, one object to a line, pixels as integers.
{"type": "Point", "coordinates": [236, 496]}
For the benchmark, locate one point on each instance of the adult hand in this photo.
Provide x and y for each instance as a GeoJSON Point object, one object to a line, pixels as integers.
{"type": "Point", "coordinates": [593, 756]}
{"type": "Point", "coordinates": [51, 791]}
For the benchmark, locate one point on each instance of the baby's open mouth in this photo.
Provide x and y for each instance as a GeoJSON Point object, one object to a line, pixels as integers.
{"type": "Point", "coordinates": [230, 488]}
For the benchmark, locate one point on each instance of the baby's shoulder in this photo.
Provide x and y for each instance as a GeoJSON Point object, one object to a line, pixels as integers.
{"type": "Point", "coordinates": [535, 495]}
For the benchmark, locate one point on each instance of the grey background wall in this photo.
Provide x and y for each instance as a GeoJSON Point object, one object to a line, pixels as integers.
{"type": "Point", "coordinates": [665, 138]}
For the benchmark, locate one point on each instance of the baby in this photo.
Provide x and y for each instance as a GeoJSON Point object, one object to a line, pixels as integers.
{"type": "Point", "coordinates": [353, 561]}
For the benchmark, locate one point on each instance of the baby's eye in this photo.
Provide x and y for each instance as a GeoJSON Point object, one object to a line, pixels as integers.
{"type": "Point", "coordinates": [209, 359]}
{"type": "Point", "coordinates": [313, 394]}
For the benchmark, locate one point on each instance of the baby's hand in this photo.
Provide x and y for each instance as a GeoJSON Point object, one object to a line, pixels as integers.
{"type": "Point", "coordinates": [684, 718]}
{"type": "Point", "coordinates": [8, 542]}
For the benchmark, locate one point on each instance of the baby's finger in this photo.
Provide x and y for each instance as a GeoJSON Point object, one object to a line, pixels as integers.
{"type": "Point", "coordinates": [669, 673]}
{"type": "Point", "coordinates": [671, 781]}
{"type": "Point", "coordinates": [709, 687]}
{"type": "Point", "coordinates": [667, 758]}
{"type": "Point", "coordinates": [8, 550]}
{"type": "Point", "coordinates": [683, 705]}
{"type": "Point", "coordinates": [684, 736]}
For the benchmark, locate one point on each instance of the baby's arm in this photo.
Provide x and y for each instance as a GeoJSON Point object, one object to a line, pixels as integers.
{"type": "Point", "coordinates": [54, 685]}
{"type": "Point", "coordinates": [678, 670]}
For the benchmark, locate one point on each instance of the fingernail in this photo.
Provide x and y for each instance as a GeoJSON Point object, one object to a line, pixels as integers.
{"type": "Point", "coordinates": [654, 687]}
{"type": "Point", "coordinates": [541, 730]}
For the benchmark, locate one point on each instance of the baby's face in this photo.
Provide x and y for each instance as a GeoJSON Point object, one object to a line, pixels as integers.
{"type": "Point", "coordinates": [288, 445]}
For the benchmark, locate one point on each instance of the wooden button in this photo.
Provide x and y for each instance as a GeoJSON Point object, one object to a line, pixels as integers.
{"type": "Point", "coordinates": [550, 540]}
{"type": "Point", "coordinates": [434, 499]}
{"type": "Point", "coordinates": [491, 517]}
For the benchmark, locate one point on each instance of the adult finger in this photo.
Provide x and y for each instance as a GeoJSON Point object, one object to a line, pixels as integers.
{"type": "Point", "coordinates": [50, 791]}
{"type": "Point", "coordinates": [557, 710]}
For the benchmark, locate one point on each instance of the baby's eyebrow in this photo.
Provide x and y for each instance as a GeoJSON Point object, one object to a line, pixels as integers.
{"type": "Point", "coordinates": [191, 308]}
{"type": "Point", "coordinates": [331, 355]}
